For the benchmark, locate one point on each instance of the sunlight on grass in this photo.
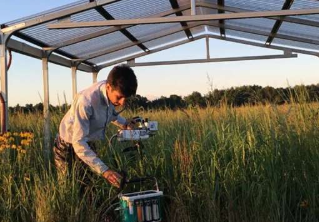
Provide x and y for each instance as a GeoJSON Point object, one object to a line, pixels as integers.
{"type": "Point", "coordinates": [253, 163]}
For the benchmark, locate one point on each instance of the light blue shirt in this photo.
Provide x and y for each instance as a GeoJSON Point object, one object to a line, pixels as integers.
{"type": "Point", "coordinates": [86, 120]}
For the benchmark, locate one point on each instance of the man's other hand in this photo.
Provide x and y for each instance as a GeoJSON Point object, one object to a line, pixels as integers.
{"type": "Point", "coordinates": [113, 178]}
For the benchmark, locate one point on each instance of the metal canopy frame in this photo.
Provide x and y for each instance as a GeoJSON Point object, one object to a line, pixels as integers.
{"type": "Point", "coordinates": [191, 18]}
{"type": "Point", "coordinates": [210, 60]}
{"type": "Point", "coordinates": [90, 35]}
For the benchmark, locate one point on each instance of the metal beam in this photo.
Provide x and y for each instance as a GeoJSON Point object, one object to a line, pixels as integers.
{"type": "Point", "coordinates": [55, 15]}
{"type": "Point", "coordinates": [234, 9]}
{"type": "Point", "coordinates": [175, 5]}
{"type": "Point", "coordinates": [46, 104]}
{"type": "Point", "coordinates": [94, 76]}
{"type": "Point", "coordinates": [31, 51]}
{"type": "Point", "coordinates": [230, 59]}
{"type": "Point", "coordinates": [108, 16]}
{"type": "Point", "coordinates": [114, 29]}
{"type": "Point", "coordinates": [263, 33]}
{"type": "Point", "coordinates": [222, 22]}
{"type": "Point", "coordinates": [172, 31]}
{"type": "Point", "coordinates": [142, 40]}
{"type": "Point", "coordinates": [158, 35]}
{"type": "Point", "coordinates": [4, 77]}
{"type": "Point", "coordinates": [147, 53]}
{"type": "Point", "coordinates": [211, 36]}
{"type": "Point", "coordinates": [181, 8]}
{"type": "Point", "coordinates": [246, 42]}
{"type": "Point", "coordinates": [193, 18]}
{"type": "Point", "coordinates": [44, 45]}
{"type": "Point", "coordinates": [275, 28]}
{"type": "Point", "coordinates": [193, 7]}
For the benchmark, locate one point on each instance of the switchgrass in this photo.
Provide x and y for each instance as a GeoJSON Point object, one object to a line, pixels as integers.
{"type": "Point", "coordinates": [253, 163]}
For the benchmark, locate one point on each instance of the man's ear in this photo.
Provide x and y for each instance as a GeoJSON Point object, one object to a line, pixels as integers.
{"type": "Point", "coordinates": [108, 87]}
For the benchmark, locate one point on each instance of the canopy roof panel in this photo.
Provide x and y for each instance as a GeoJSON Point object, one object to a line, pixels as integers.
{"type": "Point", "coordinates": [103, 45]}
{"type": "Point", "coordinates": [254, 5]}
{"type": "Point", "coordinates": [166, 40]}
{"type": "Point", "coordinates": [116, 55]}
{"type": "Point", "coordinates": [299, 30]}
{"type": "Point", "coordinates": [47, 12]}
{"type": "Point", "coordinates": [127, 9]}
{"type": "Point", "coordinates": [82, 49]}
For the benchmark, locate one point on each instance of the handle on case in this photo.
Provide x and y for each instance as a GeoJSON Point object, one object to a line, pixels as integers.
{"type": "Point", "coordinates": [142, 180]}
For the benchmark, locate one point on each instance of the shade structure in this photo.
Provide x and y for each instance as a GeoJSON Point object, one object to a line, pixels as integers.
{"type": "Point", "coordinates": [97, 47]}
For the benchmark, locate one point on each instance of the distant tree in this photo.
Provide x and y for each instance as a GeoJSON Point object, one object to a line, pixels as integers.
{"type": "Point", "coordinates": [214, 98]}
{"type": "Point", "coordinates": [160, 103]}
{"type": "Point", "coordinates": [136, 102]}
{"type": "Point", "coordinates": [235, 96]}
{"type": "Point", "coordinates": [28, 108]}
{"type": "Point", "coordinates": [313, 92]}
{"type": "Point", "coordinates": [175, 102]}
{"type": "Point", "coordinates": [268, 94]}
{"type": "Point", "coordinates": [246, 95]}
{"type": "Point", "coordinates": [195, 99]}
{"type": "Point", "coordinates": [38, 107]}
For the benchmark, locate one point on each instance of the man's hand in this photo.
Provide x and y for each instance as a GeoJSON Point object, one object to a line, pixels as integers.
{"type": "Point", "coordinates": [113, 178]}
{"type": "Point", "coordinates": [130, 124]}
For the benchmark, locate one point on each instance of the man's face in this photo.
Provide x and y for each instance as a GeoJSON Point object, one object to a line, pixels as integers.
{"type": "Point", "coordinates": [115, 96]}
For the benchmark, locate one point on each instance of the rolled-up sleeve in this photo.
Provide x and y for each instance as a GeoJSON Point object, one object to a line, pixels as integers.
{"type": "Point", "coordinates": [81, 130]}
{"type": "Point", "coordinates": [118, 120]}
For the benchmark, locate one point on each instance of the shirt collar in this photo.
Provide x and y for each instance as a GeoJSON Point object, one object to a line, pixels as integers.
{"type": "Point", "coordinates": [104, 99]}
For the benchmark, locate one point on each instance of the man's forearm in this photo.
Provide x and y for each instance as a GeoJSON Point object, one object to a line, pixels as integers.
{"type": "Point", "coordinates": [89, 157]}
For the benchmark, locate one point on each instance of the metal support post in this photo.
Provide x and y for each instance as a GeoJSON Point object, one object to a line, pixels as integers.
{"type": "Point", "coordinates": [94, 75]}
{"type": "Point", "coordinates": [46, 103]}
{"type": "Point", "coordinates": [74, 78]}
{"type": "Point", "coordinates": [207, 47]}
{"type": "Point", "coordinates": [4, 80]}
{"type": "Point", "coordinates": [193, 7]}
{"type": "Point", "coordinates": [287, 52]}
{"type": "Point", "coordinates": [131, 62]}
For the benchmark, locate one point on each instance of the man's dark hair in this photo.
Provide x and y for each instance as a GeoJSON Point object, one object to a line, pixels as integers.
{"type": "Point", "coordinates": [123, 79]}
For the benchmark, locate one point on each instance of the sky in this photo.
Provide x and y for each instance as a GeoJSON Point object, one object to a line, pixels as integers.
{"type": "Point", "coordinates": [25, 81]}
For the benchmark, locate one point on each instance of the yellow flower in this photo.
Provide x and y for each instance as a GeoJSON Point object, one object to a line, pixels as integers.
{"type": "Point", "coordinates": [13, 146]}
{"type": "Point", "coordinates": [23, 151]}
{"type": "Point", "coordinates": [15, 134]}
{"type": "Point", "coordinates": [7, 134]}
{"type": "Point", "coordinates": [24, 142]}
{"type": "Point", "coordinates": [26, 177]}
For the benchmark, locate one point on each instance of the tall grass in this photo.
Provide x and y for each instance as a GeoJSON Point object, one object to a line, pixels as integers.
{"type": "Point", "coordinates": [254, 163]}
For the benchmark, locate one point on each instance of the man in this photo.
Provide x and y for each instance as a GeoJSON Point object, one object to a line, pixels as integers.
{"type": "Point", "coordinates": [85, 122]}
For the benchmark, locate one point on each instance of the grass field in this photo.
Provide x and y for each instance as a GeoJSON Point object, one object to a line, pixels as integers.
{"type": "Point", "coordinates": [256, 163]}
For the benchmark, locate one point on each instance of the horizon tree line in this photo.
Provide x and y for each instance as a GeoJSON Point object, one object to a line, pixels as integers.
{"type": "Point", "coordinates": [234, 96]}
